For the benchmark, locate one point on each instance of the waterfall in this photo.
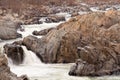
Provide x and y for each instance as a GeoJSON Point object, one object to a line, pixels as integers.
{"type": "Point", "coordinates": [30, 57]}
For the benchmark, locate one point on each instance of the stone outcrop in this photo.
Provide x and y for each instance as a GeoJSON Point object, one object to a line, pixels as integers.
{"type": "Point", "coordinates": [94, 38]}
{"type": "Point", "coordinates": [15, 52]}
{"type": "Point", "coordinates": [61, 45]}
{"type": "Point", "coordinates": [36, 45]}
{"type": "Point", "coordinates": [8, 29]}
{"type": "Point", "coordinates": [5, 73]}
{"type": "Point", "coordinates": [99, 46]}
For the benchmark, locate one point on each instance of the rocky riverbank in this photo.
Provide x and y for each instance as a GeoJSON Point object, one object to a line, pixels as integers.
{"type": "Point", "coordinates": [5, 73]}
{"type": "Point", "coordinates": [99, 45]}
{"type": "Point", "coordinates": [92, 38]}
{"type": "Point", "coordinates": [31, 13]}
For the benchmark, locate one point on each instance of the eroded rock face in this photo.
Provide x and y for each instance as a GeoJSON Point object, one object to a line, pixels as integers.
{"type": "Point", "coordinates": [5, 73]}
{"type": "Point", "coordinates": [99, 49]}
{"type": "Point", "coordinates": [65, 43]}
{"type": "Point", "coordinates": [54, 47]}
{"type": "Point", "coordinates": [8, 30]}
{"type": "Point", "coordinates": [15, 52]}
{"type": "Point", "coordinates": [36, 45]}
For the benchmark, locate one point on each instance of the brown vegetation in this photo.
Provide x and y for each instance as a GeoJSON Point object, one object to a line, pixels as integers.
{"type": "Point", "coordinates": [101, 2]}
{"type": "Point", "coordinates": [32, 8]}
{"type": "Point", "coordinates": [18, 4]}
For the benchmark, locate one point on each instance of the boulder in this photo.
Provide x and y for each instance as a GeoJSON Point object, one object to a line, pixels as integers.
{"type": "Point", "coordinates": [90, 33]}
{"type": "Point", "coordinates": [5, 73]}
{"type": "Point", "coordinates": [34, 44]}
{"type": "Point", "coordinates": [42, 32]}
{"type": "Point", "coordinates": [97, 47]}
{"type": "Point", "coordinates": [15, 52]}
{"type": "Point", "coordinates": [55, 48]}
{"type": "Point", "coordinates": [76, 69]}
{"type": "Point", "coordinates": [82, 68]}
{"type": "Point", "coordinates": [8, 30]}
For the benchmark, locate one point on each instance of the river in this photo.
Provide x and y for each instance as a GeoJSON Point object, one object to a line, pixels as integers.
{"type": "Point", "coordinates": [36, 70]}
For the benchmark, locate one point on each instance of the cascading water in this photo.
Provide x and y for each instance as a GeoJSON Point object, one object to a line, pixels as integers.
{"type": "Point", "coordinates": [30, 28]}
{"type": "Point", "coordinates": [35, 69]}
{"type": "Point", "coordinates": [30, 57]}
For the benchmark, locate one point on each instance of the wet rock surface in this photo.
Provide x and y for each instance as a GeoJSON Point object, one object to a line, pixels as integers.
{"type": "Point", "coordinates": [36, 45]}
{"type": "Point", "coordinates": [14, 52]}
{"type": "Point", "coordinates": [82, 68]}
{"type": "Point", "coordinates": [94, 38]}
{"type": "Point", "coordinates": [5, 73]}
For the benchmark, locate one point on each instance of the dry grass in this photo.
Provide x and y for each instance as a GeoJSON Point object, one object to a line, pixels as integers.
{"type": "Point", "coordinates": [17, 5]}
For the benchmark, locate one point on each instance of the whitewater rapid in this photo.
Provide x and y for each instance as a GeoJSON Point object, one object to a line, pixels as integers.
{"type": "Point", "coordinates": [35, 69]}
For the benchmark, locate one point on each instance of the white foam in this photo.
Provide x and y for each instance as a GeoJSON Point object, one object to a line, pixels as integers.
{"type": "Point", "coordinates": [30, 28]}
{"type": "Point", "coordinates": [30, 57]}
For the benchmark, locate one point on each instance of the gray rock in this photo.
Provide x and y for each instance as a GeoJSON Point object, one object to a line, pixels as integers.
{"type": "Point", "coordinates": [8, 30]}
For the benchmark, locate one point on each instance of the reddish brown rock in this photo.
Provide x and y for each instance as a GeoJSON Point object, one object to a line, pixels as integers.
{"type": "Point", "coordinates": [85, 37]}
{"type": "Point", "coordinates": [100, 39]}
